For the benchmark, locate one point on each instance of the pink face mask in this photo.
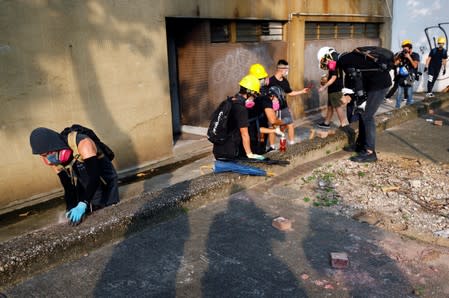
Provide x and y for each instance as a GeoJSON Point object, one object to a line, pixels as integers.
{"type": "Point", "coordinates": [249, 104]}
{"type": "Point", "coordinates": [331, 65]}
{"type": "Point", "coordinates": [276, 105]}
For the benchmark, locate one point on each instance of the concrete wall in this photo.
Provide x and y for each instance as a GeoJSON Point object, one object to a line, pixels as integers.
{"type": "Point", "coordinates": [327, 11]}
{"type": "Point", "coordinates": [104, 64]}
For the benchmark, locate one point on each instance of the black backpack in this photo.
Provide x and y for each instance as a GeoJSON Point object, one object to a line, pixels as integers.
{"type": "Point", "coordinates": [381, 56]}
{"type": "Point", "coordinates": [217, 133]}
{"type": "Point", "coordinates": [91, 134]}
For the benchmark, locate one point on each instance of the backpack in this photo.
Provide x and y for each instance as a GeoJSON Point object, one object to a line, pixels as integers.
{"type": "Point", "coordinates": [72, 131]}
{"type": "Point", "coordinates": [381, 56]}
{"type": "Point", "coordinates": [217, 133]}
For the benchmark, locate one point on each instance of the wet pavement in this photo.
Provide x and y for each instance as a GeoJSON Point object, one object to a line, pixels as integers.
{"type": "Point", "coordinates": [188, 255]}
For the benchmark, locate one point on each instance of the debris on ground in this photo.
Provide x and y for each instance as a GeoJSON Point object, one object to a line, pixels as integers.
{"type": "Point", "coordinates": [282, 224]}
{"type": "Point", "coordinates": [398, 193]}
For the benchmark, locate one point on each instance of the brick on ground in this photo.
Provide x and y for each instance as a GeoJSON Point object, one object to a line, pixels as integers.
{"type": "Point", "coordinates": [282, 224]}
{"type": "Point", "coordinates": [339, 260]}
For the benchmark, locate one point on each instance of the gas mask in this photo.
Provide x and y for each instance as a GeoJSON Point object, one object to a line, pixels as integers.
{"type": "Point", "coordinates": [249, 103]}
{"type": "Point", "coordinates": [331, 65]}
{"type": "Point", "coordinates": [276, 105]}
{"type": "Point", "coordinates": [57, 157]}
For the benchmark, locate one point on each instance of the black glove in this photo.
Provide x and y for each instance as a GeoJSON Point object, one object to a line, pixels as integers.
{"type": "Point", "coordinates": [425, 69]}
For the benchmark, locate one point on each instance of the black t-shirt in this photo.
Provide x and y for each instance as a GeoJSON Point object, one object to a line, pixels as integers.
{"type": "Point", "coordinates": [262, 103]}
{"type": "Point", "coordinates": [437, 55]}
{"type": "Point", "coordinates": [284, 85]}
{"type": "Point", "coordinates": [406, 62]}
{"type": "Point", "coordinates": [238, 117]}
{"type": "Point", "coordinates": [372, 80]}
{"type": "Point", "coordinates": [338, 84]}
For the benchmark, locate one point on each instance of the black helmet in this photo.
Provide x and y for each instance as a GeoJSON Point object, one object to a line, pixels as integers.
{"type": "Point", "coordinates": [43, 140]}
{"type": "Point", "coordinates": [276, 91]}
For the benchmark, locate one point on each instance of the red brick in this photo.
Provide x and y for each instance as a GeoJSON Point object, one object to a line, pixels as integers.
{"type": "Point", "coordinates": [282, 224]}
{"type": "Point", "coordinates": [339, 260]}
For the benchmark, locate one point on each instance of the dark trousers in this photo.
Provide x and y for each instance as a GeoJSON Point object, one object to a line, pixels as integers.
{"type": "Point", "coordinates": [106, 193]}
{"type": "Point", "coordinates": [367, 123]}
{"type": "Point", "coordinates": [394, 88]}
{"type": "Point", "coordinates": [433, 76]}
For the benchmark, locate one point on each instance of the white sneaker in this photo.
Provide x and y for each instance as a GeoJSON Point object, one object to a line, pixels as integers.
{"type": "Point", "coordinates": [430, 94]}
{"type": "Point", "coordinates": [388, 100]}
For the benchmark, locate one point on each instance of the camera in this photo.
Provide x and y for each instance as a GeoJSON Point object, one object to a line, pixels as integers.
{"type": "Point", "coordinates": [359, 92]}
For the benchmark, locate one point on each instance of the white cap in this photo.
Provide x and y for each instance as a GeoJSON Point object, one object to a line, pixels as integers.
{"type": "Point", "coordinates": [347, 91]}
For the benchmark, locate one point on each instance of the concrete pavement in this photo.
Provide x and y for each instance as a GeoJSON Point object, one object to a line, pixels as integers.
{"type": "Point", "coordinates": [27, 254]}
{"type": "Point", "coordinates": [228, 248]}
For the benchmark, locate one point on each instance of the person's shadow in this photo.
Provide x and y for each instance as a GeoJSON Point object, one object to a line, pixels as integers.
{"type": "Point", "coordinates": [241, 259]}
{"type": "Point", "coordinates": [146, 263]}
{"type": "Point", "coordinates": [370, 273]}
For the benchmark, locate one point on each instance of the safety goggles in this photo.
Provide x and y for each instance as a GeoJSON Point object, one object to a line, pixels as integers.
{"type": "Point", "coordinates": [51, 158]}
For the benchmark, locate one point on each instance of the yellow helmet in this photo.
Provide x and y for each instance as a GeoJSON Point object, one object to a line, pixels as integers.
{"type": "Point", "coordinates": [258, 71]}
{"type": "Point", "coordinates": [250, 82]}
{"type": "Point", "coordinates": [406, 42]}
{"type": "Point", "coordinates": [441, 39]}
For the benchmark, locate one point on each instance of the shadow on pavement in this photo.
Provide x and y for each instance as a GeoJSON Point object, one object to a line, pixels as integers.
{"type": "Point", "coordinates": [146, 263]}
{"type": "Point", "coordinates": [241, 259]}
{"type": "Point", "coordinates": [371, 272]}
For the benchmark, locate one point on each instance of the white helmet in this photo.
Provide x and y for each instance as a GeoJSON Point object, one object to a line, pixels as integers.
{"type": "Point", "coordinates": [324, 55]}
{"type": "Point", "coordinates": [324, 51]}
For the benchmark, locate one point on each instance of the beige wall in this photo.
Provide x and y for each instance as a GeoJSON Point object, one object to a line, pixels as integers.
{"type": "Point", "coordinates": [103, 64]}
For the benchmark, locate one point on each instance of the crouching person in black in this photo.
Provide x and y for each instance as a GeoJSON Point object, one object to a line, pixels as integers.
{"type": "Point", "coordinates": [88, 177]}
{"type": "Point", "coordinates": [370, 81]}
{"type": "Point", "coordinates": [237, 143]}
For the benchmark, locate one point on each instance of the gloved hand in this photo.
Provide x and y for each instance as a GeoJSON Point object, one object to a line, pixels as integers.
{"type": "Point", "coordinates": [76, 214]}
{"type": "Point", "coordinates": [255, 156]}
{"type": "Point", "coordinates": [425, 69]}
{"type": "Point", "coordinates": [278, 132]}
{"type": "Point", "coordinates": [444, 71]}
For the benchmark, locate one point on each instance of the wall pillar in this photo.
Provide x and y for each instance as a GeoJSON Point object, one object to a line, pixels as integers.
{"type": "Point", "coordinates": [295, 53]}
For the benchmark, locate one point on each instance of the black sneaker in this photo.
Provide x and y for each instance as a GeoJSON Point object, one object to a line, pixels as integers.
{"type": "Point", "coordinates": [324, 125]}
{"type": "Point", "coordinates": [364, 157]}
{"type": "Point", "coordinates": [269, 149]}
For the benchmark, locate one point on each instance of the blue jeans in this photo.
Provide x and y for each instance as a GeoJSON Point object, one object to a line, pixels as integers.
{"type": "Point", "coordinates": [367, 123]}
{"type": "Point", "coordinates": [401, 90]}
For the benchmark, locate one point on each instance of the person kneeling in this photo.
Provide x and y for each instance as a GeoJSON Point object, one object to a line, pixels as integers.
{"type": "Point", "coordinates": [88, 177]}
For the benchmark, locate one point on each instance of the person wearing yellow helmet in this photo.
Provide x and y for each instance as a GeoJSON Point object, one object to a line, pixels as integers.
{"type": "Point", "coordinates": [262, 117]}
{"type": "Point", "coordinates": [434, 63]}
{"type": "Point", "coordinates": [260, 73]}
{"type": "Point", "coordinates": [237, 141]}
{"type": "Point", "coordinates": [407, 63]}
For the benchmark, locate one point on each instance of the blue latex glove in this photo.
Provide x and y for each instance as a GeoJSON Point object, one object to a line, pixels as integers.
{"type": "Point", "coordinates": [75, 214]}
{"type": "Point", "coordinates": [255, 156]}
